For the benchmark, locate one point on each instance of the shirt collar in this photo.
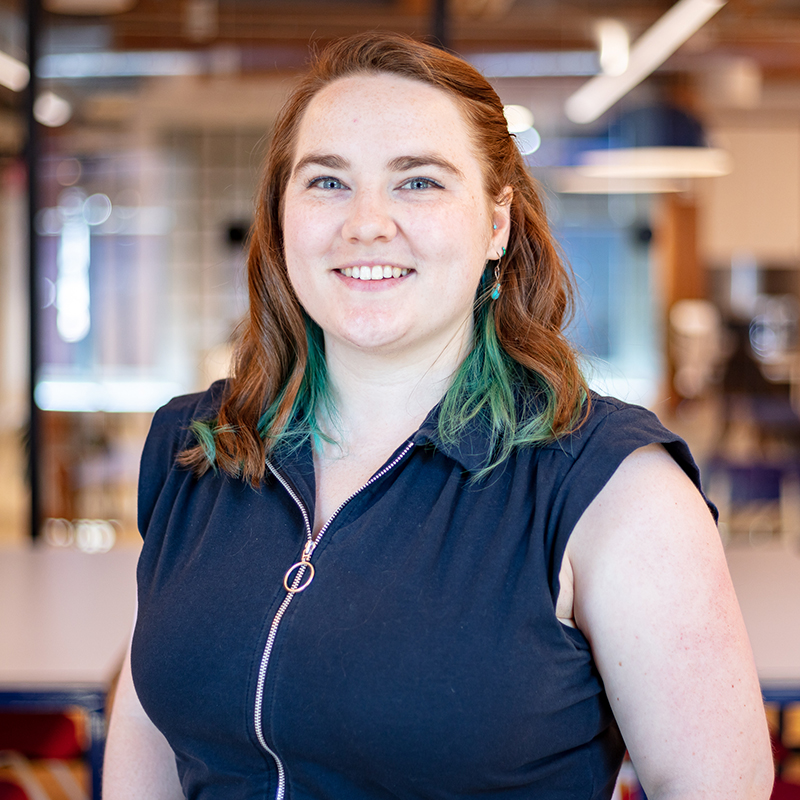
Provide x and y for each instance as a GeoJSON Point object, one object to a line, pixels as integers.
{"type": "Point", "coordinates": [473, 450]}
{"type": "Point", "coordinates": [475, 447]}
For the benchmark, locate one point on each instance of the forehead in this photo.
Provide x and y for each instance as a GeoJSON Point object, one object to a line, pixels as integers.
{"type": "Point", "coordinates": [383, 110]}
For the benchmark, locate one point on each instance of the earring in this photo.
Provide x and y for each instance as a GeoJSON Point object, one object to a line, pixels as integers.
{"type": "Point", "coordinates": [496, 291]}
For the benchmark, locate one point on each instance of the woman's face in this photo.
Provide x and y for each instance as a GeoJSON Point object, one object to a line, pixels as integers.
{"type": "Point", "coordinates": [387, 225]}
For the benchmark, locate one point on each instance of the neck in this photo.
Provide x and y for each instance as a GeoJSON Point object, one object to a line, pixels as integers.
{"type": "Point", "coordinates": [386, 397]}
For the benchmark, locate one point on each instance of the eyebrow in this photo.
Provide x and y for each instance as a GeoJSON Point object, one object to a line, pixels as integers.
{"type": "Point", "coordinates": [405, 163]}
{"type": "Point", "coordinates": [321, 160]}
{"type": "Point", "coordinates": [399, 164]}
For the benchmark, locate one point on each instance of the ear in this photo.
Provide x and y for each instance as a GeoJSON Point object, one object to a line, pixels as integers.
{"type": "Point", "coordinates": [501, 224]}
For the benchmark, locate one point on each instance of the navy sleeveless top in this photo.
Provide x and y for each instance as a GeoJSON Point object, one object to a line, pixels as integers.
{"type": "Point", "coordinates": [424, 659]}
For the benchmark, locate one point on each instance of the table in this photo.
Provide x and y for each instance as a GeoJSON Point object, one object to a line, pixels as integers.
{"type": "Point", "coordinates": [65, 621]}
{"type": "Point", "coordinates": [767, 584]}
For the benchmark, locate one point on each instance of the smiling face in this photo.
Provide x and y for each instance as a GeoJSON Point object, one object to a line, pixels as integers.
{"type": "Point", "coordinates": [387, 226]}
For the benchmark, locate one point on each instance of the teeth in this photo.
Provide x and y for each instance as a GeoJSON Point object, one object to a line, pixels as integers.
{"type": "Point", "coordinates": [377, 273]}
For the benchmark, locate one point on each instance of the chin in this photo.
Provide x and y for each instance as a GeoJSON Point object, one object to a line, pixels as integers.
{"type": "Point", "coordinates": [370, 331]}
{"type": "Point", "coordinates": [380, 342]}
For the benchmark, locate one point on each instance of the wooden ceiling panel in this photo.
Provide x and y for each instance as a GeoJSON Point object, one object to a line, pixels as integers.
{"type": "Point", "coordinates": [767, 30]}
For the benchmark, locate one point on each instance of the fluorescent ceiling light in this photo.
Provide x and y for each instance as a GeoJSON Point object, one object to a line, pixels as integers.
{"type": "Point", "coordinates": [649, 52]}
{"type": "Point", "coordinates": [51, 110]}
{"type": "Point", "coordinates": [570, 181]}
{"type": "Point", "coordinates": [119, 65]}
{"type": "Point", "coordinates": [14, 74]}
{"type": "Point", "coordinates": [88, 7]}
{"type": "Point", "coordinates": [614, 45]}
{"type": "Point", "coordinates": [655, 162]}
{"type": "Point", "coordinates": [535, 64]}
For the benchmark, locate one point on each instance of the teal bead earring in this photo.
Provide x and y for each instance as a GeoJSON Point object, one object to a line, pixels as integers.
{"type": "Point", "coordinates": [496, 291]}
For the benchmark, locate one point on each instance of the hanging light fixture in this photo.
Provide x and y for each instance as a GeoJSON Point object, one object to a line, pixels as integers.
{"type": "Point", "coordinates": [648, 53]}
{"type": "Point", "coordinates": [649, 150]}
{"type": "Point", "coordinates": [654, 142]}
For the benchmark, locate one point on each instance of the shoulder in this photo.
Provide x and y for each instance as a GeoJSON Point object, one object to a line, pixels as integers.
{"type": "Point", "coordinates": [609, 422]}
{"type": "Point", "coordinates": [648, 485]}
{"type": "Point", "coordinates": [611, 431]}
{"type": "Point", "coordinates": [174, 418]}
{"type": "Point", "coordinates": [199, 405]}
{"type": "Point", "coordinates": [170, 433]}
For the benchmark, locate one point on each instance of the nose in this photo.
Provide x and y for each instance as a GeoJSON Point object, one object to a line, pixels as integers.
{"type": "Point", "coordinates": [369, 217]}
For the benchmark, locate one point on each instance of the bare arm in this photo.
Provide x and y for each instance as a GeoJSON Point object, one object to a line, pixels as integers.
{"type": "Point", "coordinates": [653, 596]}
{"type": "Point", "coordinates": [138, 761]}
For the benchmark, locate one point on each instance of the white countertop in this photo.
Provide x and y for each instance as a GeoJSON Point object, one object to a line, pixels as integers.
{"type": "Point", "coordinates": [767, 583]}
{"type": "Point", "coordinates": [65, 616]}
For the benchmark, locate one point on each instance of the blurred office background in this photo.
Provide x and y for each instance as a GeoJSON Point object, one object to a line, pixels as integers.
{"type": "Point", "coordinates": [667, 142]}
{"type": "Point", "coordinates": [151, 119]}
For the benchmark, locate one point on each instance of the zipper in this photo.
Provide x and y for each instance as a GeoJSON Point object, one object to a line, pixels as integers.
{"type": "Point", "coordinates": [297, 585]}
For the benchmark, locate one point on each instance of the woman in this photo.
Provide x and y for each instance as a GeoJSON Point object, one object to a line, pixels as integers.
{"type": "Point", "coordinates": [402, 553]}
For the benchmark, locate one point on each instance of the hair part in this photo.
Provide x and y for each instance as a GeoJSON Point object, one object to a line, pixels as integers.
{"type": "Point", "coordinates": [279, 380]}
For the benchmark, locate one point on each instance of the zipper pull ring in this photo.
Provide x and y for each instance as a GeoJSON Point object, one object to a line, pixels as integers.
{"type": "Point", "coordinates": [305, 561]}
{"type": "Point", "coordinates": [300, 565]}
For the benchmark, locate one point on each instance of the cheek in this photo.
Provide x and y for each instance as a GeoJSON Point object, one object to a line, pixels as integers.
{"type": "Point", "coordinates": [451, 234]}
{"type": "Point", "coordinates": [293, 228]}
{"type": "Point", "coordinates": [304, 224]}
{"type": "Point", "coordinates": [308, 294]}
{"type": "Point", "coordinates": [304, 251]}
{"type": "Point", "coordinates": [296, 254]}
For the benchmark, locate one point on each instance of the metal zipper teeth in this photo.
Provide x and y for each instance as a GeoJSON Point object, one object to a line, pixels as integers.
{"type": "Point", "coordinates": [273, 630]}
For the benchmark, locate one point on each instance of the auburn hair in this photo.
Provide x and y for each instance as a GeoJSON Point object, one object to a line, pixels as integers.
{"type": "Point", "coordinates": [278, 375]}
